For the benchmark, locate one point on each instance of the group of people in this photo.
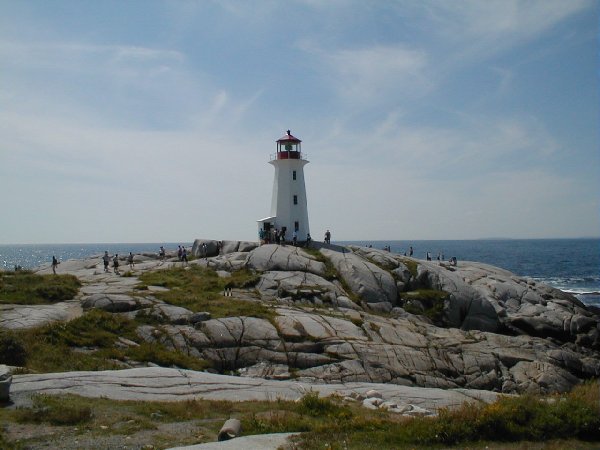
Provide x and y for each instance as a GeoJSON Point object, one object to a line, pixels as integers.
{"type": "Point", "coordinates": [440, 258]}
{"type": "Point", "coordinates": [182, 254]}
{"type": "Point", "coordinates": [106, 258]}
{"type": "Point", "coordinates": [276, 236]}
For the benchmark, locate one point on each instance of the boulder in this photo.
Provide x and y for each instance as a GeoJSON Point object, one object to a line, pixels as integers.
{"type": "Point", "coordinates": [205, 248]}
{"type": "Point", "coordinates": [287, 258]}
{"type": "Point", "coordinates": [237, 246]}
{"type": "Point", "coordinates": [366, 280]}
{"type": "Point", "coordinates": [169, 313]}
{"type": "Point", "coordinates": [297, 285]}
{"type": "Point", "coordinates": [114, 302]}
{"type": "Point", "coordinates": [5, 382]}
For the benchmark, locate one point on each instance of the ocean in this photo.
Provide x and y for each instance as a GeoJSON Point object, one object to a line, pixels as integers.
{"type": "Point", "coordinates": [572, 265]}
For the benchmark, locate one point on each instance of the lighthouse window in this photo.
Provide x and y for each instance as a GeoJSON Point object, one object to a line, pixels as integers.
{"type": "Point", "coordinates": [294, 175]}
{"type": "Point", "coordinates": [295, 199]}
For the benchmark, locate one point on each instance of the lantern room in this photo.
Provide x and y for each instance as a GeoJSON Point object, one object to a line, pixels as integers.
{"type": "Point", "coordinates": [289, 147]}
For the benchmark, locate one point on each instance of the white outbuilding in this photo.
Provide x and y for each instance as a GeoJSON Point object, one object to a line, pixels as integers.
{"type": "Point", "coordinates": [289, 211]}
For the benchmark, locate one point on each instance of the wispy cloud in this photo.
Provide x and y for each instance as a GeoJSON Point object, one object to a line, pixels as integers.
{"type": "Point", "coordinates": [482, 29]}
{"type": "Point", "coordinates": [70, 55]}
{"type": "Point", "coordinates": [369, 75]}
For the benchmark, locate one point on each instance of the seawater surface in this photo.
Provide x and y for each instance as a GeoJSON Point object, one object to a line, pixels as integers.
{"type": "Point", "coordinates": [572, 265]}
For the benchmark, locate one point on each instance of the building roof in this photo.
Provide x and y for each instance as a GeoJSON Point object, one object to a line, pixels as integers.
{"type": "Point", "coordinates": [289, 138]}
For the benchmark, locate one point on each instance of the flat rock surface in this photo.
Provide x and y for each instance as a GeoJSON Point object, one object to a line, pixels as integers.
{"type": "Point", "coordinates": [257, 442]}
{"type": "Point", "coordinates": [165, 384]}
{"type": "Point", "coordinates": [15, 317]}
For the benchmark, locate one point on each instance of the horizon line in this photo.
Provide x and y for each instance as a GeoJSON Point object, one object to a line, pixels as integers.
{"type": "Point", "coordinates": [340, 240]}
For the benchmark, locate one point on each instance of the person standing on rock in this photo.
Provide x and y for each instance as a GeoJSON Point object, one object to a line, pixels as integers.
{"type": "Point", "coordinates": [161, 253]}
{"type": "Point", "coordinates": [295, 238]}
{"type": "Point", "coordinates": [116, 264]}
{"type": "Point", "coordinates": [106, 260]}
{"type": "Point", "coordinates": [328, 237]}
{"type": "Point", "coordinates": [130, 260]}
{"type": "Point", "coordinates": [179, 252]}
{"type": "Point", "coordinates": [54, 264]}
{"type": "Point", "coordinates": [184, 256]}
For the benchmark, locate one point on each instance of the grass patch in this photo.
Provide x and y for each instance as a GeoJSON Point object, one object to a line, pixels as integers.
{"type": "Point", "coordinates": [54, 411]}
{"type": "Point", "coordinates": [201, 289]}
{"type": "Point", "coordinates": [27, 288]}
{"type": "Point", "coordinates": [89, 343]}
{"type": "Point", "coordinates": [330, 423]}
{"type": "Point", "coordinates": [411, 266]}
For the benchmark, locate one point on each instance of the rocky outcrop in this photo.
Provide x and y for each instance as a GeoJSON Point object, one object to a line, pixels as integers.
{"type": "Point", "coordinates": [353, 314]}
{"type": "Point", "coordinates": [336, 349]}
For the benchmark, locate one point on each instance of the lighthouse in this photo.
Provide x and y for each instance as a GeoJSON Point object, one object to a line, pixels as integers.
{"type": "Point", "coordinates": [289, 212]}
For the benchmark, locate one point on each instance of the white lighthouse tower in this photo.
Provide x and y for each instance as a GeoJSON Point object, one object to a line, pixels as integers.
{"type": "Point", "coordinates": [289, 210]}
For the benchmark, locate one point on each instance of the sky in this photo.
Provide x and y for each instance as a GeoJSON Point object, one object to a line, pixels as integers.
{"type": "Point", "coordinates": [154, 121]}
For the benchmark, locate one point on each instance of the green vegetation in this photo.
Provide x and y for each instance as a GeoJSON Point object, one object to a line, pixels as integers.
{"type": "Point", "coordinates": [334, 424]}
{"type": "Point", "coordinates": [201, 289]}
{"type": "Point", "coordinates": [12, 351]}
{"type": "Point", "coordinates": [87, 343]}
{"type": "Point", "coordinates": [425, 302]}
{"type": "Point", "coordinates": [54, 411]}
{"type": "Point", "coordinates": [26, 288]}
{"type": "Point", "coordinates": [411, 266]}
{"type": "Point", "coordinates": [510, 419]}
{"type": "Point", "coordinates": [331, 272]}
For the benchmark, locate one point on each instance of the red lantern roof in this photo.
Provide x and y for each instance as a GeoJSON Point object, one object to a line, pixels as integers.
{"type": "Point", "coordinates": [289, 138]}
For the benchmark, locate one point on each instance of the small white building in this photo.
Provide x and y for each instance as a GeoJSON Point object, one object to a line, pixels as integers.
{"type": "Point", "coordinates": [289, 210]}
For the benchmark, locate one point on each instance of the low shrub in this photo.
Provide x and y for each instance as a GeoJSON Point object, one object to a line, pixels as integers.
{"type": "Point", "coordinates": [26, 288]}
{"type": "Point", "coordinates": [96, 328]}
{"type": "Point", "coordinates": [315, 406]}
{"type": "Point", "coordinates": [12, 351]}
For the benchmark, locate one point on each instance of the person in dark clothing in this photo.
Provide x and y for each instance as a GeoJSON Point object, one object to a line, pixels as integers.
{"type": "Point", "coordinates": [54, 264]}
